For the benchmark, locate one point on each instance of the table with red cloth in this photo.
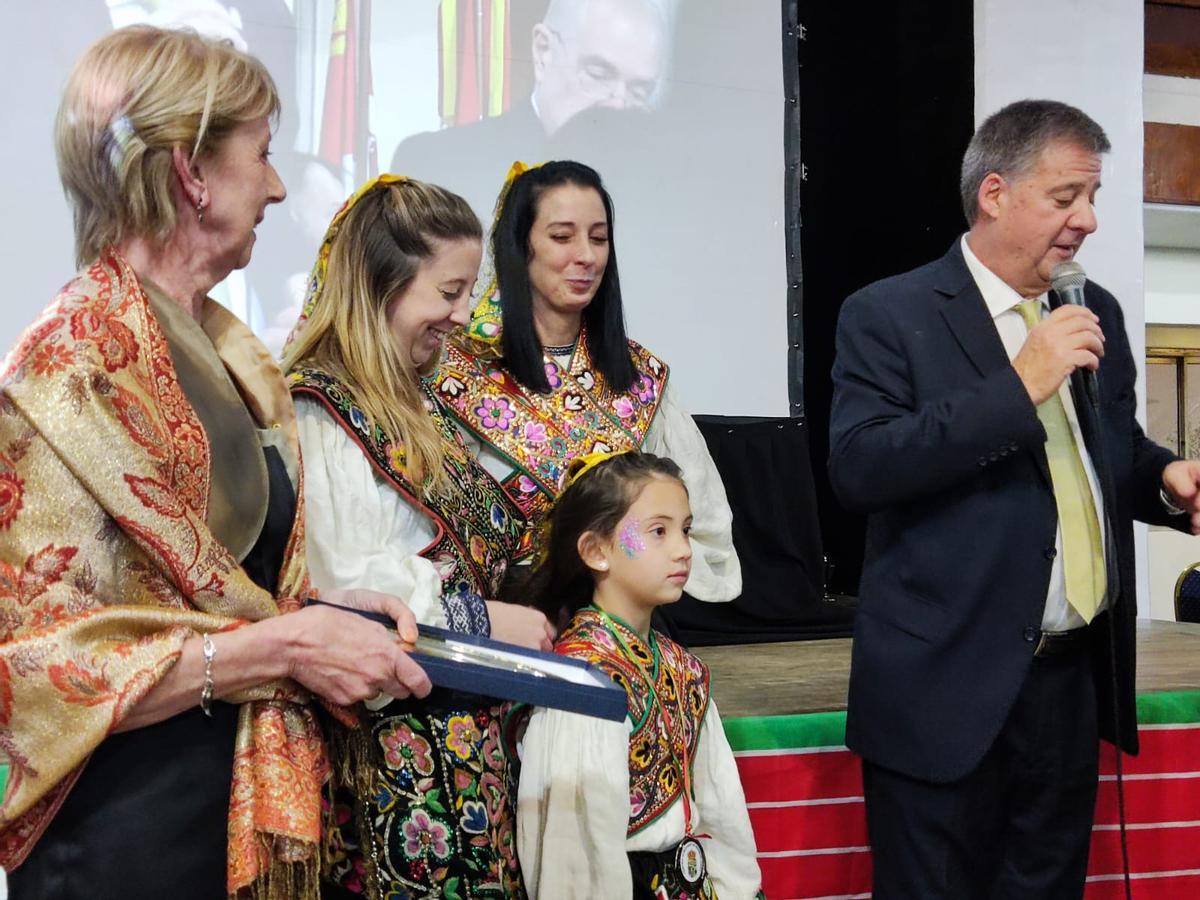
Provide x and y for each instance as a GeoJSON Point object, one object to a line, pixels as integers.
{"type": "Point", "coordinates": [784, 712]}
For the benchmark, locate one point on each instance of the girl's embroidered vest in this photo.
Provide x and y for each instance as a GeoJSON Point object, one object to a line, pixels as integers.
{"type": "Point", "coordinates": [479, 528]}
{"type": "Point", "coordinates": [657, 743]}
{"type": "Point", "coordinates": [540, 433]}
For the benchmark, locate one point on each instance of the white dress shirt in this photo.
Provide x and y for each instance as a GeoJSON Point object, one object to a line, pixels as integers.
{"type": "Point", "coordinates": [1001, 300]}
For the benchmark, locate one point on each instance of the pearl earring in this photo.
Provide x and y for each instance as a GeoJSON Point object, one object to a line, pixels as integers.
{"type": "Point", "coordinates": [200, 211]}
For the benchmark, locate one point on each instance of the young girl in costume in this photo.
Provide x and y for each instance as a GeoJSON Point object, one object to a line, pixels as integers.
{"type": "Point", "coordinates": [650, 807]}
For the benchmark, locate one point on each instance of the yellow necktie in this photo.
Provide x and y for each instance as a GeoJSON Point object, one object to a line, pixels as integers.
{"type": "Point", "coordinates": [1083, 553]}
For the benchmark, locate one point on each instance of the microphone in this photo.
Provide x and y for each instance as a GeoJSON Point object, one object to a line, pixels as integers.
{"type": "Point", "coordinates": [1066, 283]}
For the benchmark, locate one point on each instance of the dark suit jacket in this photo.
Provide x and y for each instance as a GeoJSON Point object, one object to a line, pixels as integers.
{"type": "Point", "coordinates": [934, 437]}
{"type": "Point", "coordinates": [473, 159]}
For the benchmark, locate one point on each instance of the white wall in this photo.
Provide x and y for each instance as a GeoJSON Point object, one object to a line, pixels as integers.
{"type": "Point", "coordinates": [1088, 53]}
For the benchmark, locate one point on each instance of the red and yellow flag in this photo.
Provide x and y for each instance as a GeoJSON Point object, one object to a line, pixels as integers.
{"type": "Point", "coordinates": [474, 47]}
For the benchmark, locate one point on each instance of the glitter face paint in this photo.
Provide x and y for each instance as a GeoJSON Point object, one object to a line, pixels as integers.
{"type": "Point", "coordinates": [630, 539]}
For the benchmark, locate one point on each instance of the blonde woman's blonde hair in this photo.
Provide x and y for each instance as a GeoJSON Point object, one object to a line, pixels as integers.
{"type": "Point", "coordinates": [134, 96]}
{"type": "Point", "coordinates": [375, 255]}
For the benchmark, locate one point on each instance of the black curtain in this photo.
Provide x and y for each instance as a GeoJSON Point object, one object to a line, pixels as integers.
{"type": "Point", "coordinates": [886, 110]}
{"type": "Point", "coordinates": [764, 465]}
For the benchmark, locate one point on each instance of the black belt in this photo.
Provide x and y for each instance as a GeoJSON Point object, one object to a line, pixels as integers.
{"type": "Point", "coordinates": [1062, 643]}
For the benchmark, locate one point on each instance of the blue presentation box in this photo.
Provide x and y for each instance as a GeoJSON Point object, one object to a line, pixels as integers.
{"type": "Point", "coordinates": [479, 665]}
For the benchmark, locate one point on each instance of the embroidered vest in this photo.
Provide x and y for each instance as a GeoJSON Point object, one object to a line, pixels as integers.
{"type": "Point", "coordinates": [657, 742]}
{"type": "Point", "coordinates": [478, 526]}
{"type": "Point", "coordinates": [540, 433]}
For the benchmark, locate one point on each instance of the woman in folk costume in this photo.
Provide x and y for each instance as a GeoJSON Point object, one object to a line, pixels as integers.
{"type": "Point", "coordinates": [397, 501]}
{"type": "Point", "coordinates": [545, 373]}
{"type": "Point", "coordinates": [154, 655]}
{"type": "Point", "coordinates": [651, 807]}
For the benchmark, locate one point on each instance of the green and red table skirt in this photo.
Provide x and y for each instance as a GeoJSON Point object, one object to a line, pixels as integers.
{"type": "Point", "coordinates": [804, 790]}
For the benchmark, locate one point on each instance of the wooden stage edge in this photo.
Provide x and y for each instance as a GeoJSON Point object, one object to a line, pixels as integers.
{"type": "Point", "coordinates": [799, 677]}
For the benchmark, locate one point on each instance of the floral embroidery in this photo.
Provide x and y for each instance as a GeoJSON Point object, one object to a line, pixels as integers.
{"type": "Point", "coordinates": [462, 736]}
{"type": "Point", "coordinates": [544, 431]}
{"type": "Point", "coordinates": [80, 684]}
{"type": "Point", "coordinates": [452, 387]}
{"type": "Point", "coordinates": [495, 413]}
{"type": "Point", "coordinates": [395, 455]}
{"type": "Point", "coordinates": [52, 358]}
{"type": "Point", "coordinates": [448, 834]}
{"type": "Point", "coordinates": [623, 407]}
{"type": "Point", "coordinates": [358, 419]}
{"type": "Point", "coordinates": [12, 491]}
{"type": "Point", "coordinates": [655, 750]}
{"type": "Point", "coordinates": [474, 817]}
{"type": "Point", "coordinates": [478, 548]}
{"type": "Point", "coordinates": [402, 748]}
{"type": "Point", "coordinates": [499, 517]}
{"type": "Point", "coordinates": [423, 835]}
{"type": "Point", "coordinates": [644, 389]}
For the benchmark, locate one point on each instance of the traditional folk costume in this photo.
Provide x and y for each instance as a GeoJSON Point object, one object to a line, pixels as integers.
{"type": "Point", "coordinates": [435, 818]}
{"type": "Point", "coordinates": [648, 807]}
{"type": "Point", "coordinates": [148, 492]}
{"type": "Point", "coordinates": [526, 439]}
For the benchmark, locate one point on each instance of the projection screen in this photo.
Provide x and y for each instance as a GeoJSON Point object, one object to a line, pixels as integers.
{"type": "Point", "coordinates": [678, 103]}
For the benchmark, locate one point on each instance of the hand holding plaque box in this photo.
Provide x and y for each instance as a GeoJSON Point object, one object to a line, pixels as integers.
{"type": "Point", "coordinates": [479, 665]}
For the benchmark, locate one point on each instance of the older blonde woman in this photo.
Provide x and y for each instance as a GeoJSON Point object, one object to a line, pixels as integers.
{"type": "Point", "coordinates": [155, 658]}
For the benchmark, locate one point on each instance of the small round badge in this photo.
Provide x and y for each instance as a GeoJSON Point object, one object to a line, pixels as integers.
{"type": "Point", "coordinates": [689, 860]}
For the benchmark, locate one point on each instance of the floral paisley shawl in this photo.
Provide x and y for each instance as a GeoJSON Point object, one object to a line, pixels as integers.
{"type": "Point", "coordinates": [107, 567]}
{"type": "Point", "coordinates": [540, 433]}
{"type": "Point", "coordinates": [478, 526]}
{"type": "Point", "coordinates": [680, 680]}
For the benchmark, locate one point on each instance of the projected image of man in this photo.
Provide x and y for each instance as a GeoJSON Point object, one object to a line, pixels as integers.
{"type": "Point", "coordinates": [586, 55]}
{"type": "Point", "coordinates": [608, 53]}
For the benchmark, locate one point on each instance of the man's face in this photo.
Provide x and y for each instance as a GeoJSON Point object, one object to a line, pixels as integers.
{"type": "Point", "coordinates": [614, 60]}
{"type": "Point", "coordinates": [1042, 217]}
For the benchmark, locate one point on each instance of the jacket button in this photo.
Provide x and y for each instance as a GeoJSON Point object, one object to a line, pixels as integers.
{"type": "Point", "coordinates": [1050, 552]}
{"type": "Point", "coordinates": [1030, 634]}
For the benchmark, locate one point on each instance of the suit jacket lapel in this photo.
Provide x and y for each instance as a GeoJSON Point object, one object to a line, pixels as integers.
{"type": "Point", "coordinates": [972, 325]}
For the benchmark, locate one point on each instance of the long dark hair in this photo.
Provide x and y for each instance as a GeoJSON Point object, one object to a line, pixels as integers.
{"type": "Point", "coordinates": [604, 317]}
{"type": "Point", "coordinates": [561, 584]}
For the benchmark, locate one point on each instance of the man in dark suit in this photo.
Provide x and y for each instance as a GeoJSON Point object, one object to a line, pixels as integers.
{"type": "Point", "coordinates": [995, 635]}
{"type": "Point", "coordinates": [586, 54]}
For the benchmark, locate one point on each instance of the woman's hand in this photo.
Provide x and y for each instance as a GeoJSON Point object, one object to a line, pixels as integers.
{"type": "Point", "coordinates": [375, 601]}
{"type": "Point", "coordinates": [520, 625]}
{"type": "Point", "coordinates": [346, 658]}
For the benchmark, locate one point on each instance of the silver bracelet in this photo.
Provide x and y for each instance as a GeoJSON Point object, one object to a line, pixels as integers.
{"type": "Point", "coordinates": [206, 692]}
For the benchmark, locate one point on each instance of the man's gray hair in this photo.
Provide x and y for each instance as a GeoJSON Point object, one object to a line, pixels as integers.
{"type": "Point", "coordinates": [564, 16]}
{"type": "Point", "coordinates": [1010, 141]}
